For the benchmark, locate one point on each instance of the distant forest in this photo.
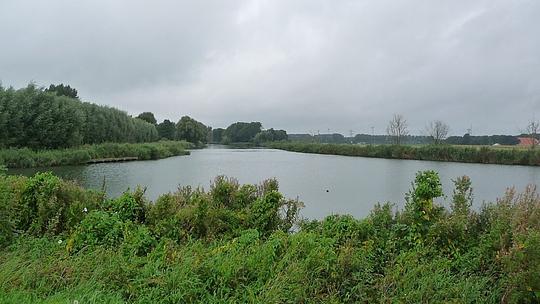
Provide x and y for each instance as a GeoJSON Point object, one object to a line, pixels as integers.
{"type": "Point", "coordinates": [466, 139]}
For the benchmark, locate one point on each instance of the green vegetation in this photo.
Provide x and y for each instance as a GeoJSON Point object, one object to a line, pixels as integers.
{"type": "Point", "coordinates": [27, 158]}
{"type": "Point", "coordinates": [63, 90]}
{"type": "Point", "coordinates": [148, 117]}
{"type": "Point", "coordinates": [40, 119]}
{"type": "Point", "coordinates": [55, 118]}
{"type": "Point", "coordinates": [246, 132]}
{"type": "Point", "coordinates": [241, 132]}
{"type": "Point", "coordinates": [483, 140]}
{"type": "Point", "coordinates": [167, 130]}
{"type": "Point", "coordinates": [191, 130]}
{"type": "Point", "coordinates": [485, 155]}
{"type": "Point", "coordinates": [234, 244]}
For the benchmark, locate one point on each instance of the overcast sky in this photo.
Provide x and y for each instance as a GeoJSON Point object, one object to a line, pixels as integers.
{"type": "Point", "coordinates": [298, 65]}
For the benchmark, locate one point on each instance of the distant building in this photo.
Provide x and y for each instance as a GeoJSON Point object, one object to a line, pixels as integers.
{"type": "Point", "coordinates": [527, 141]}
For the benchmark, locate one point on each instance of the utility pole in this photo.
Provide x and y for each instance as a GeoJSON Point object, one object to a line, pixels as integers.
{"type": "Point", "coordinates": [469, 130]}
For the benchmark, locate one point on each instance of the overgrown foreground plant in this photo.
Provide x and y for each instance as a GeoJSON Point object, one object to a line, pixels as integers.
{"type": "Point", "coordinates": [235, 244]}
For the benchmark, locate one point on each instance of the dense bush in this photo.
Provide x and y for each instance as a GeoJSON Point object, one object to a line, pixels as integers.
{"type": "Point", "coordinates": [47, 119]}
{"type": "Point", "coordinates": [26, 158]}
{"type": "Point", "coordinates": [238, 244]}
{"type": "Point", "coordinates": [485, 155]}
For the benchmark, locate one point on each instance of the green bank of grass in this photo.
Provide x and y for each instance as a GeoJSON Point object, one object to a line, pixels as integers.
{"type": "Point", "coordinates": [475, 154]}
{"type": "Point", "coordinates": [234, 244]}
{"type": "Point", "coordinates": [27, 158]}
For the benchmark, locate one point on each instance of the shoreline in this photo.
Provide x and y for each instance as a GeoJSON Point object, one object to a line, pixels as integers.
{"type": "Point", "coordinates": [23, 158]}
{"type": "Point", "coordinates": [443, 153]}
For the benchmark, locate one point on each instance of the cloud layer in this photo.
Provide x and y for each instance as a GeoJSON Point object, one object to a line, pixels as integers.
{"type": "Point", "coordinates": [299, 65]}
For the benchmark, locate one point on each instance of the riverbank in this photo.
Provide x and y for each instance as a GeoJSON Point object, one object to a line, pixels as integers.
{"type": "Point", "coordinates": [446, 153]}
{"type": "Point", "coordinates": [233, 244]}
{"type": "Point", "coordinates": [27, 158]}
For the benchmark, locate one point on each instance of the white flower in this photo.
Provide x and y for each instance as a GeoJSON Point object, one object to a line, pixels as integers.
{"type": "Point", "coordinates": [59, 242]}
{"type": "Point", "coordinates": [85, 210]}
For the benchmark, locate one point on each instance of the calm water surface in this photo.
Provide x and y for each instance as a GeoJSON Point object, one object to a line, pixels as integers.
{"type": "Point", "coordinates": [325, 183]}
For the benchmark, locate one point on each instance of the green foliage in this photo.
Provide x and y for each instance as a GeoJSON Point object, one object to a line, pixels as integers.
{"type": "Point", "coordinates": [62, 90]}
{"type": "Point", "coordinates": [38, 119]}
{"type": "Point", "coordinates": [485, 155]}
{"type": "Point", "coordinates": [129, 206]}
{"type": "Point", "coordinates": [48, 205]}
{"type": "Point", "coordinates": [217, 135]}
{"type": "Point", "coordinates": [241, 132]}
{"type": "Point", "coordinates": [148, 117]}
{"type": "Point", "coordinates": [270, 135]}
{"type": "Point", "coordinates": [190, 130]}
{"type": "Point", "coordinates": [26, 158]}
{"type": "Point", "coordinates": [167, 130]}
{"type": "Point", "coordinates": [462, 198]}
{"type": "Point", "coordinates": [233, 244]}
{"type": "Point", "coordinates": [98, 228]}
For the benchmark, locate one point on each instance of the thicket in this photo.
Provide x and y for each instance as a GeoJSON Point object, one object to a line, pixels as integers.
{"type": "Point", "coordinates": [45, 119]}
{"type": "Point", "coordinates": [244, 244]}
{"type": "Point", "coordinates": [485, 155]}
{"type": "Point", "coordinates": [27, 158]}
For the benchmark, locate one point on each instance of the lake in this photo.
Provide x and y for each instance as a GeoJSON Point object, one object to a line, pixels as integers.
{"type": "Point", "coordinates": [327, 184]}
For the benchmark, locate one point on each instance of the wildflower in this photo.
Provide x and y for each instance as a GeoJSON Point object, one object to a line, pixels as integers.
{"type": "Point", "coordinates": [59, 242]}
{"type": "Point", "coordinates": [85, 210]}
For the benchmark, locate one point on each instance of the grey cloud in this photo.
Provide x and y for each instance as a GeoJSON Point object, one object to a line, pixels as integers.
{"type": "Point", "coordinates": [298, 65]}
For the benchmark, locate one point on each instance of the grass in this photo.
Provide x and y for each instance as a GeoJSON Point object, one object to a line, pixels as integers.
{"type": "Point", "coordinates": [466, 154]}
{"type": "Point", "coordinates": [26, 158]}
{"type": "Point", "coordinates": [235, 244]}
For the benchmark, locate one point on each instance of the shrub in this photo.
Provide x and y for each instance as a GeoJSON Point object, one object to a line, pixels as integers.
{"type": "Point", "coordinates": [129, 206]}
{"type": "Point", "coordinates": [137, 240]}
{"type": "Point", "coordinates": [99, 228]}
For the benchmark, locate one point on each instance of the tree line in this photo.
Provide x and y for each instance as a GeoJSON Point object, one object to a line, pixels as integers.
{"type": "Point", "coordinates": [45, 119]}
{"type": "Point", "coordinates": [242, 132]}
{"type": "Point", "coordinates": [55, 118]}
{"type": "Point", "coordinates": [436, 132]}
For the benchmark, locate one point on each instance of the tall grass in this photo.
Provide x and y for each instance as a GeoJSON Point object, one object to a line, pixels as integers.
{"type": "Point", "coordinates": [234, 244]}
{"type": "Point", "coordinates": [474, 154]}
{"type": "Point", "coordinates": [27, 158]}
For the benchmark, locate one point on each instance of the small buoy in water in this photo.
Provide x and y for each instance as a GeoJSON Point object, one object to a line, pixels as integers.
{"type": "Point", "coordinates": [327, 190]}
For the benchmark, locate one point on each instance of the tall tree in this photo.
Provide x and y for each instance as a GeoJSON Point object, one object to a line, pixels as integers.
{"type": "Point", "coordinates": [148, 117]}
{"type": "Point", "coordinates": [62, 90]}
{"type": "Point", "coordinates": [397, 129]}
{"type": "Point", "coordinates": [217, 135]}
{"type": "Point", "coordinates": [437, 130]}
{"type": "Point", "coordinates": [270, 135]}
{"type": "Point", "coordinates": [191, 130]}
{"type": "Point", "coordinates": [34, 118]}
{"type": "Point", "coordinates": [167, 129]}
{"type": "Point", "coordinates": [242, 131]}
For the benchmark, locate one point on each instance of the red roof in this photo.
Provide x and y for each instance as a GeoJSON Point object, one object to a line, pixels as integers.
{"type": "Point", "coordinates": [527, 141]}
